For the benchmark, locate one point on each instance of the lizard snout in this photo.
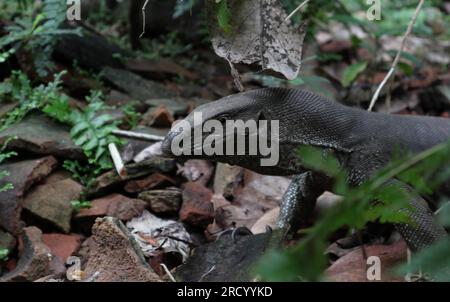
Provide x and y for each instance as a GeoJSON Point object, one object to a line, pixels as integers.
{"type": "Point", "coordinates": [167, 142]}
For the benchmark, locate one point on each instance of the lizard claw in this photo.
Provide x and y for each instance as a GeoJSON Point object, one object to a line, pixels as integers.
{"type": "Point", "coordinates": [240, 231]}
{"type": "Point", "coordinates": [234, 232]}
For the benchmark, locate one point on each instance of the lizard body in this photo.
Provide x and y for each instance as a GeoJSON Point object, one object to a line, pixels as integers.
{"type": "Point", "coordinates": [362, 141]}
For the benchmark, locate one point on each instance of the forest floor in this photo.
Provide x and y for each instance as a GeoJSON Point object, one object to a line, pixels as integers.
{"type": "Point", "coordinates": [63, 204]}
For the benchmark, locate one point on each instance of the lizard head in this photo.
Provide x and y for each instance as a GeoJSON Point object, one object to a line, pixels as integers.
{"type": "Point", "coordinates": [242, 129]}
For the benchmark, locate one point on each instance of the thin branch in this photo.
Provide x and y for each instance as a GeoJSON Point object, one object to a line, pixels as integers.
{"type": "Point", "coordinates": [168, 272]}
{"type": "Point", "coordinates": [143, 18]}
{"type": "Point", "coordinates": [296, 10]}
{"type": "Point", "coordinates": [117, 160]}
{"type": "Point", "coordinates": [138, 135]}
{"type": "Point", "coordinates": [397, 57]}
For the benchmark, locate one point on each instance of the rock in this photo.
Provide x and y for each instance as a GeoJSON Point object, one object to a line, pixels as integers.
{"type": "Point", "coordinates": [267, 220]}
{"type": "Point", "coordinates": [35, 260]}
{"type": "Point", "coordinates": [62, 245]}
{"type": "Point", "coordinates": [23, 175]}
{"type": "Point", "coordinates": [198, 170]}
{"type": "Point", "coordinates": [115, 256]}
{"type": "Point", "coordinates": [154, 234]}
{"type": "Point", "coordinates": [91, 51]}
{"type": "Point", "coordinates": [159, 69]}
{"type": "Point", "coordinates": [158, 117]}
{"type": "Point", "coordinates": [353, 268]}
{"type": "Point", "coordinates": [436, 98]}
{"type": "Point", "coordinates": [57, 175]}
{"type": "Point", "coordinates": [197, 209]}
{"type": "Point", "coordinates": [176, 106]}
{"type": "Point", "coordinates": [41, 135]}
{"type": "Point", "coordinates": [227, 179]}
{"type": "Point", "coordinates": [114, 205]}
{"type": "Point", "coordinates": [167, 202]}
{"type": "Point", "coordinates": [154, 181]}
{"type": "Point", "coordinates": [224, 260]}
{"type": "Point", "coordinates": [135, 85]}
{"type": "Point", "coordinates": [7, 241]}
{"type": "Point", "coordinates": [50, 203]}
{"type": "Point", "coordinates": [254, 195]}
{"type": "Point", "coordinates": [110, 181]}
{"type": "Point", "coordinates": [116, 98]}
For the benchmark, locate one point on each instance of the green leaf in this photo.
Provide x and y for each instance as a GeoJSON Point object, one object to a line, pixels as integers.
{"type": "Point", "coordinates": [224, 16]}
{"type": "Point", "coordinates": [351, 72]}
{"type": "Point", "coordinates": [4, 254]}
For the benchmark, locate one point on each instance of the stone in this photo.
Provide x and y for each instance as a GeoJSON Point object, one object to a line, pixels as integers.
{"type": "Point", "coordinates": [51, 203]}
{"type": "Point", "coordinates": [154, 181]}
{"type": "Point", "coordinates": [226, 179]}
{"type": "Point", "coordinates": [353, 268]}
{"type": "Point", "coordinates": [233, 261]}
{"type": "Point", "coordinates": [114, 205]}
{"type": "Point", "coordinates": [41, 135]}
{"type": "Point", "coordinates": [7, 241]}
{"type": "Point", "coordinates": [115, 256]}
{"type": "Point", "coordinates": [62, 245]}
{"type": "Point", "coordinates": [134, 85]}
{"type": "Point", "coordinates": [176, 106]}
{"type": "Point", "coordinates": [160, 117]}
{"type": "Point", "coordinates": [91, 51]}
{"type": "Point", "coordinates": [110, 181]}
{"type": "Point", "coordinates": [197, 209]}
{"type": "Point", "coordinates": [198, 170]}
{"type": "Point", "coordinates": [23, 175]}
{"type": "Point", "coordinates": [267, 220]}
{"type": "Point", "coordinates": [252, 195]}
{"type": "Point", "coordinates": [167, 202]}
{"type": "Point", "coordinates": [35, 259]}
{"type": "Point", "coordinates": [159, 69]}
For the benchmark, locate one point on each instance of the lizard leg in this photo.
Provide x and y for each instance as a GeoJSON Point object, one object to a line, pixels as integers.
{"type": "Point", "coordinates": [299, 200]}
{"type": "Point", "coordinates": [424, 230]}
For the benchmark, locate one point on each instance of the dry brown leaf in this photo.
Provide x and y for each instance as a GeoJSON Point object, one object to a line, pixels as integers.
{"type": "Point", "coordinates": [259, 36]}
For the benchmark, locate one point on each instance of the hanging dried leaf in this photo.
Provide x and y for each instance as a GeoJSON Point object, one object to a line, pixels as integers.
{"type": "Point", "coordinates": [258, 36]}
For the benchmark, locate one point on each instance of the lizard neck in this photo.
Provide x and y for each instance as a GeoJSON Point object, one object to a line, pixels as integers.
{"type": "Point", "coordinates": [309, 119]}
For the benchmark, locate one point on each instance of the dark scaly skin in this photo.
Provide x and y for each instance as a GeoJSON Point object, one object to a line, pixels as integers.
{"type": "Point", "coordinates": [362, 141]}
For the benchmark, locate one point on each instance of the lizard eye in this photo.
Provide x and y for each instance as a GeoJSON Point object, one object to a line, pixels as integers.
{"type": "Point", "coordinates": [222, 118]}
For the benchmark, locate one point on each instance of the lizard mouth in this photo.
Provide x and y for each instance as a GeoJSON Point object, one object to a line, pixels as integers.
{"type": "Point", "coordinates": [167, 142]}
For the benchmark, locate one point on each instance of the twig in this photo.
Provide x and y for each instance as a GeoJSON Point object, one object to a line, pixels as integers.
{"type": "Point", "coordinates": [397, 57]}
{"type": "Point", "coordinates": [143, 18]}
{"type": "Point", "coordinates": [137, 135]}
{"type": "Point", "coordinates": [207, 273]}
{"type": "Point", "coordinates": [296, 10]}
{"type": "Point", "coordinates": [117, 160]}
{"type": "Point", "coordinates": [168, 272]}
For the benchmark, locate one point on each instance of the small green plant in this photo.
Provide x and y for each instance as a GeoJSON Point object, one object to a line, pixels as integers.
{"type": "Point", "coordinates": [77, 205]}
{"type": "Point", "coordinates": [19, 88]}
{"type": "Point", "coordinates": [4, 156]}
{"type": "Point", "coordinates": [131, 116]}
{"type": "Point", "coordinates": [424, 172]}
{"type": "Point", "coordinates": [4, 254]}
{"type": "Point", "coordinates": [93, 131]}
{"type": "Point", "coordinates": [36, 33]}
{"type": "Point", "coordinates": [168, 45]}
